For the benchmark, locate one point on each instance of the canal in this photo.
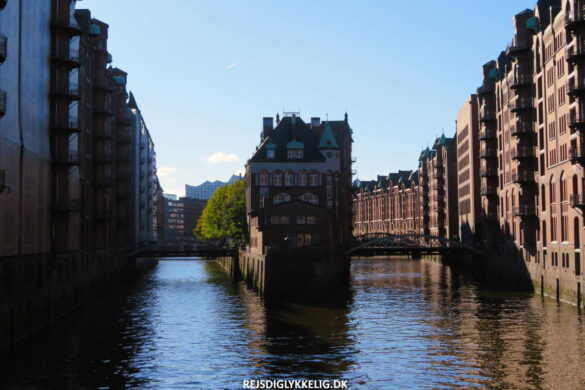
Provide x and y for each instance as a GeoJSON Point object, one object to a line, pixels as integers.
{"type": "Point", "coordinates": [407, 325]}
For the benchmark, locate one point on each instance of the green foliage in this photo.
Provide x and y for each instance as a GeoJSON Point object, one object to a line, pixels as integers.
{"type": "Point", "coordinates": [224, 216]}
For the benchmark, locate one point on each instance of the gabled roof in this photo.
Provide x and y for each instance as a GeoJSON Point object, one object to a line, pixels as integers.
{"type": "Point", "coordinates": [132, 101]}
{"type": "Point", "coordinates": [327, 140]}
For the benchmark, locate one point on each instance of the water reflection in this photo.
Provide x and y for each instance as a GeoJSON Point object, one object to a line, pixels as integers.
{"type": "Point", "coordinates": [408, 324]}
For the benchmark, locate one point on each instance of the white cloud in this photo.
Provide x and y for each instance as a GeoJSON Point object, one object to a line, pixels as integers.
{"type": "Point", "coordinates": [221, 157]}
{"type": "Point", "coordinates": [165, 171]}
{"type": "Point", "coordinates": [231, 66]}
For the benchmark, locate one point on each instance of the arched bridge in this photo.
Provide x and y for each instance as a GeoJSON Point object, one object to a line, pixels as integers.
{"type": "Point", "coordinates": [406, 244]}
{"type": "Point", "coordinates": [184, 249]}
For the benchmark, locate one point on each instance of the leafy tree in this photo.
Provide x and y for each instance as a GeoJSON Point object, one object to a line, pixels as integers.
{"type": "Point", "coordinates": [224, 216]}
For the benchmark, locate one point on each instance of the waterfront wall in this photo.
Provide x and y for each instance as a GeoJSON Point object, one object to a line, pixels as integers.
{"type": "Point", "coordinates": [38, 290]}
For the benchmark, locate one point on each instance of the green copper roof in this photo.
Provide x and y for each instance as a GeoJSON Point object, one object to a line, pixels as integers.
{"type": "Point", "coordinates": [442, 141]}
{"type": "Point", "coordinates": [533, 24]}
{"type": "Point", "coordinates": [294, 144]}
{"type": "Point", "coordinates": [494, 73]}
{"type": "Point", "coordinates": [109, 58]}
{"type": "Point", "coordinates": [327, 139]}
{"type": "Point", "coordinates": [270, 146]}
{"type": "Point", "coordinates": [94, 30]}
{"type": "Point", "coordinates": [120, 80]}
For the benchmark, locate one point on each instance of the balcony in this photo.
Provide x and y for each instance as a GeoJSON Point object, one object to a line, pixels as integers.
{"type": "Point", "coordinates": [576, 86]}
{"type": "Point", "coordinates": [519, 80]}
{"type": "Point", "coordinates": [575, 52]}
{"type": "Point", "coordinates": [487, 153]}
{"type": "Point", "coordinates": [104, 131]}
{"type": "Point", "coordinates": [487, 190]}
{"type": "Point", "coordinates": [103, 156]}
{"type": "Point", "coordinates": [103, 85]}
{"type": "Point", "coordinates": [70, 158]}
{"type": "Point", "coordinates": [489, 216]}
{"type": "Point", "coordinates": [577, 119]}
{"type": "Point", "coordinates": [3, 98]}
{"type": "Point", "coordinates": [522, 177]}
{"type": "Point", "coordinates": [486, 134]}
{"type": "Point", "coordinates": [69, 125]}
{"type": "Point", "coordinates": [486, 115]}
{"type": "Point", "coordinates": [101, 108]}
{"type": "Point", "coordinates": [70, 92]}
{"type": "Point", "coordinates": [524, 211]}
{"type": "Point", "coordinates": [578, 201]}
{"type": "Point", "coordinates": [520, 104]}
{"type": "Point", "coordinates": [68, 25]}
{"type": "Point", "coordinates": [522, 128]}
{"type": "Point", "coordinates": [514, 49]}
{"type": "Point", "coordinates": [574, 18]}
{"type": "Point", "coordinates": [488, 172]}
{"type": "Point", "coordinates": [485, 89]}
{"type": "Point", "coordinates": [68, 204]}
{"type": "Point", "coordinates": [523, 153]}
{"type": "Point", "coordinates": [69, 57]}
{"type": "Point", "coordinates": [3, 47]}
{"type": "Point", "coordinates": [577, 154]}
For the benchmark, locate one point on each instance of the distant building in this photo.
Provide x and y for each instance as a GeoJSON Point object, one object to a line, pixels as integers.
{"type": "Point", "coordinates": [206, 189]}
{"type": "Point", "coordinates": [174, 218]}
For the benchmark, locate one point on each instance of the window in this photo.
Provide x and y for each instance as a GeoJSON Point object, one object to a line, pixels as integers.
{"type": "Point", "coordinates": [295, 153]}
{"type": "Point", "coordinates": [303, 239]}
{"type": "Point", "coordinates": [311, 220]}
{"type": "Point", "coordinates": [277, 179]}
{"type": "Point", "coordinates": [314, 179]}
{"type": "Point", "coordinates": [264, 178]}
{"type": "Point", "coordinates": [270, 153]}
{"type": "Point", "coordinates": [285, 220]}
{"type": "Point", "coordinates": [301, 219]}
{"type": "Point", "coordinates": [289, 179]}
{"type": "Point", "coordinates": [309, 198]}
{"type": "Point", "coordinates": [281, 198]}
{"type": "Point", "coordinates": [275, 220]}
{"type": "Point", "coordinates": [302, 179]}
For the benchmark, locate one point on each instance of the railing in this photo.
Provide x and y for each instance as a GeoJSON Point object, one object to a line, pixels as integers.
{"type": "Point", "coordinates": [523, 152]}
{"type": "Point", "coordinates": [3, 47]}
{"type": "Point", "coordinates": [487, 134]}
{"type": "Point", "coordinates": [486, 115]}
{"type": "Point", "coordinates": [524, 211]}
{"type": "Point", "coordinates": [576, 85]}
{"type": "Point", "coordinates": [487, 190]}
{"type": "Point", "coordinates": [576, 154]}
{"type": "Point", "coordinates": [575, 51]}
{"type": "Point", "coordinates": [74, 55]}
{"type": "Point", "coordinates": [74, 90]}
{"type": "Point", "coordinates": [519, 80]}
{"type": "Point", "coordinates": [488, 171]}
{"type": "Point", "coordinates": [576, 119]}
{"type": "Point", "coordinates": [574, 17]}
{"type": "Point", "coordinates": [577, 200]}
{"type": "Point", "coordinates": [522, 177]}
{"type": "Point", "coordinates": [522, 128]}
{"type": "Point", "coordinates": [513, 48]}
{"type": "Point", "coordinates": [487, 153]}
{"type": "Point", "coordinates": [73, 122]}
{"type": "Point", "coordinates": [105, 181]}
{"type": "Point", "coordinates": [521, 103]}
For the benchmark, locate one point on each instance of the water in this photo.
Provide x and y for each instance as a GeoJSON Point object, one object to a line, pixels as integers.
{"type": "Point", "coordinates": [407, 325]}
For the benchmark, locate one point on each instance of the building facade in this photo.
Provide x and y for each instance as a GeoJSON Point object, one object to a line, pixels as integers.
{"type": "Point", "coordinates": [64, 144]}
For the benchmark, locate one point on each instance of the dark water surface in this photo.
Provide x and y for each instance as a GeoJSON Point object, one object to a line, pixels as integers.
{"type": "Point", "coordinates": [407, 325]}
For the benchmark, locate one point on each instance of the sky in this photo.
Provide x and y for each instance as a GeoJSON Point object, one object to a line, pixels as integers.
{"type": "Point", "coordinates": [204, 73]}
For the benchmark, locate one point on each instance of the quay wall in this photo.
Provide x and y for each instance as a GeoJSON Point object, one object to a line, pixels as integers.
{"type": "Point", "coordinates": [38, 290]}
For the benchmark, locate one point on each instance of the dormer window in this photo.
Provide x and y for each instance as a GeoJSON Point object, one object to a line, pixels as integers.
{"type": "Point", "coordinates": [270, 151]}
{"type": "Point", "coordinates": [295, 153]}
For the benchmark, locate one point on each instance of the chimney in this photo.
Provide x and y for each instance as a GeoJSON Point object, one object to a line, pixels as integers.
{"type": "Point", "coordinates": [315, 122]}
{"type": "Point", "coordinates": [267, 126]}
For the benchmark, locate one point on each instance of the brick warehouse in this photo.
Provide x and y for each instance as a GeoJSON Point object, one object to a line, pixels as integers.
{"type": "Point", "coordinates": [523, 130]}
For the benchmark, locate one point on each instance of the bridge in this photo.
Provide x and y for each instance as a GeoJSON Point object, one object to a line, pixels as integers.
{"type": "Point", "coordinates": [415, 245]}
{"type": "Point", "coordinates": [184, 249]}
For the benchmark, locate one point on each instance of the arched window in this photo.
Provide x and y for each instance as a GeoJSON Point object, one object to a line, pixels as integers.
{"type": "Point", "coordinates": [542, 197]}
{"type": "Point", "coordinates": [281, 198]}
{"type": "Point", "coordinates": [309, 197]}
{"type": "Point", "coordinates": [576, 232]}
{"type": "Point", "coordinates": [314, 178]}
{"type": "Point", "coordinates": [289, 179]}
{"type": "Point", "coordinates": [302, 180]}
{"type": "Point", "coordinates": [551, 190]}
{"type": "Point", "coordinates": [563, 188]}
{"type": "Point", "coordinates": [263, 178]}
{"type": "Point", "coordinates": [277, 178]}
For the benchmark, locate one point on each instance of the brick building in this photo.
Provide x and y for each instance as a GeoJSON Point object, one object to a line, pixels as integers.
{"type": "Point", "coordinates": [65, 163]}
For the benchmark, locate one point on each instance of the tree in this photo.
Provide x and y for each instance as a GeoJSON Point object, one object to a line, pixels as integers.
{"type": "Point", "coordinates": [224, 216]}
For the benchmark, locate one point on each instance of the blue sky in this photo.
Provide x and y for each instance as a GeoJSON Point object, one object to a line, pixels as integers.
{"type": "Point", "coordinates": [204, 73]}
